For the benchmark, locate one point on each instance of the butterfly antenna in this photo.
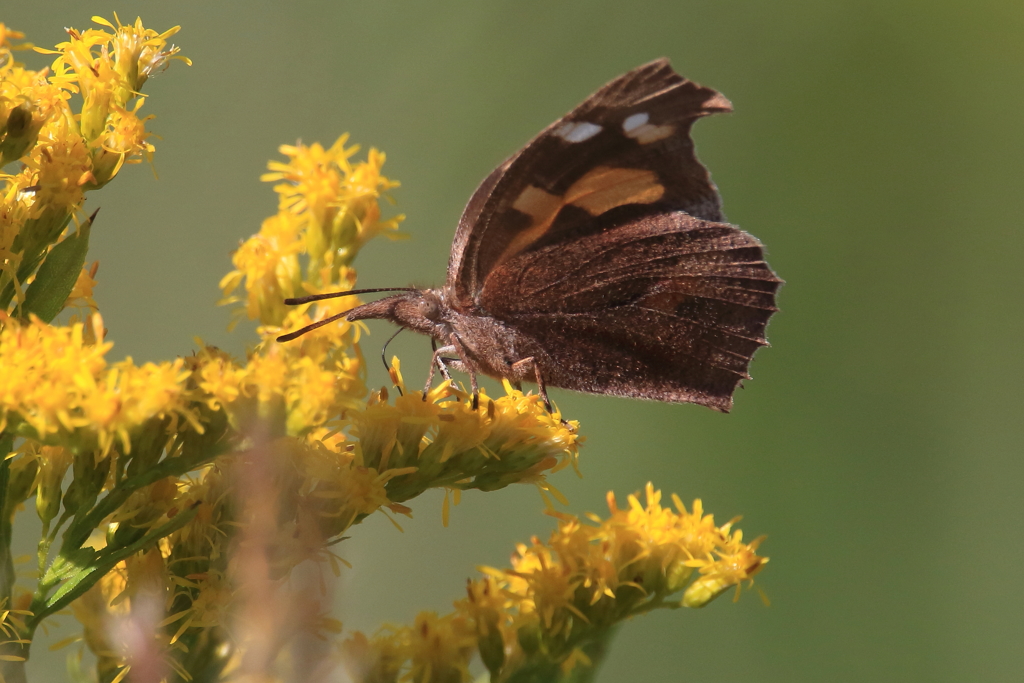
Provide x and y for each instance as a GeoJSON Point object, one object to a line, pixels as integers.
{"type": "Point", "coordinates": [333, 295]}
{"type": "Point", "coordinates": [383, 357]}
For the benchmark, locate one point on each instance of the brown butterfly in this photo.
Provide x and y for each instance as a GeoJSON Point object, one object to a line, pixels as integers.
{"type": "Point", "coordinates": [597, 259]}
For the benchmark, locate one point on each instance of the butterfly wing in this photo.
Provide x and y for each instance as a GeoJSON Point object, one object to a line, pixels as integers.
{"type": "Point", "coordinates": [662, 306]}
{"type": "Point", "coordinates": [627, 144]}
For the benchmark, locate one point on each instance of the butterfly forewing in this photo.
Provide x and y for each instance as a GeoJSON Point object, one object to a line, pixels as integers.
{"type": "Point", "coordinates": [627, 144]}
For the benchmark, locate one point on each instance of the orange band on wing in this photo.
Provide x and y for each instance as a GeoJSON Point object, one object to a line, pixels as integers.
{"type": "Point", "coordinates": [542, 207]}
{"type": "Point", "coordinates": [602, 189]}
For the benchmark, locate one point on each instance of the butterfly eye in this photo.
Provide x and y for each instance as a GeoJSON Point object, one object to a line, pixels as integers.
{"type": "Point", "coordinates": [429, 309]}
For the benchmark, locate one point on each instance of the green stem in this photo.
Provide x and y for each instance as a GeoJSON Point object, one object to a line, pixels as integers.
{"type": "Point", "coordinates": [43, 549]}
{"type": "Point", "coordinates": [10, 671]}
{"type": "Point", "coordinates": [596, 649]}
{"type": "Point", "coordinates": [6, 561]}
{"type": "Point", "coordinates": [658, 602]}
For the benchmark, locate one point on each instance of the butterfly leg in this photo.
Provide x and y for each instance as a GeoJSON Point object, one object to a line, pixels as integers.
{"type": "Point", "coordinates": [438, 362]}
{"type": "Point", "coordinates": [523, 366]}
{"type": "Point", "coordinates": [460, 350]}
{"type": "Point", "coordinates": [442, 363]}
{"type": "Point", "coordinates": [476, 390]}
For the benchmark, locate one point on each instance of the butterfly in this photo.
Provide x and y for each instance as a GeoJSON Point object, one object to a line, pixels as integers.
{"type": "Point", "coordinates": [597, 259]}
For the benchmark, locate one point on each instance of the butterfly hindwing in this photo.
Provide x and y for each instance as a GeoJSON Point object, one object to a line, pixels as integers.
{"type": "Point", "coordinates": [626, 145]}
{"type": "Point", "coordinates": [663, 306]}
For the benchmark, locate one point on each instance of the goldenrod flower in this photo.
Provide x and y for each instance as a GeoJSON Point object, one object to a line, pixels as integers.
{"type": "Point", "coordinates": [328, 209]}
{"type": "Point", "coordinates": [8, 34]}
{"type": "Point", "coordinates": [336, 200]}
{"type": "Point", "coordinates": [336, 490]}
{"type": "Point", "coordinates": [210, 602]}
{"type": "Point", "coordinates": [268, 266]}
{"type": "Point", "coordinates": [109, 69]}
{"type": "Point", "coordinates": [379, 659]}
{"type": "Point", "coordinates": [61, 170]}
{"type": "Point", "coordinates": [510, 439]}
{"type": "Point", "coordinates": [65, 153]}
{"type": "Point", "coordinates": [62, 389]}
{"type": "Point", "coordinates": [94, 611]}
{"type": "Point", "coordinates": [440, 648]}
{"type": "Point", "coordinates": [218, 377]}
{"type": "Point", "coordinates": [644, 546]}
{"type": "Point", "coordinates": [564, 596]}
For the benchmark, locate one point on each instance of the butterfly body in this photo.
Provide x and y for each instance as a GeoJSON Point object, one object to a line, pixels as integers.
{"type": "Point", "coordinates": [480, 343]}
{"type": "Point", "coordinates": [597, 259]}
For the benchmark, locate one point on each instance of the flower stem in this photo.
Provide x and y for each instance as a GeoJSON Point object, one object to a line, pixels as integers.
{"type": "Point", "coordinates": [10, 671]}
{"type": "Point", "coordinates": [6, 561]}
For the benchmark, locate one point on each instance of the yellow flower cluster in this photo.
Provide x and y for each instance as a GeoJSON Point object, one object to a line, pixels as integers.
{"type": "Point", "coordinates": [561, 599]}
{"type": "Point", "coordinates": [60, 387]}
{"type": "Point", "coordinates": [108, 69]}
{"type": "Point", "coordinates": [65, 153]}
{"type": "Point", "coordinates": [637, 556]}
{"type": "Point", "coordinates": [328, 208]}
{"type": "Point", "coordinates": [510, 439]}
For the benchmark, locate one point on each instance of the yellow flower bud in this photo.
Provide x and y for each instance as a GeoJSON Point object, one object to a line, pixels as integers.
{"type": "Point", "coordinates": [19, 134]}
{"type": "Point", "coordinates": [53, 465]}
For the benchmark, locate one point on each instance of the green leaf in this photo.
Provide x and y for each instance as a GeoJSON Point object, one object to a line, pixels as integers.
{"type": "Point", "coordinates": [58, 274]}
{"type": "Point", "coordinates": [85, 575]}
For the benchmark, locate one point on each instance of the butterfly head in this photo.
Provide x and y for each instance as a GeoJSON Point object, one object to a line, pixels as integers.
{"type": "Point", "coordinates": [422, 310]}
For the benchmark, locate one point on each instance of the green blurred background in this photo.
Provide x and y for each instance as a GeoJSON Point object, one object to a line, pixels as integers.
{"type": "Point", "coordinates": [876, 149]}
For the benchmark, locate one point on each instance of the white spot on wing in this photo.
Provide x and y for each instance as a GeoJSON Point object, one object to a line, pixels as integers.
{"type": "Point", "coordinates": [577, 131]}
{"type": "Point", "coordinates": [635, 121]}
{"type": "Point", "coordinates": [647, 133]}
